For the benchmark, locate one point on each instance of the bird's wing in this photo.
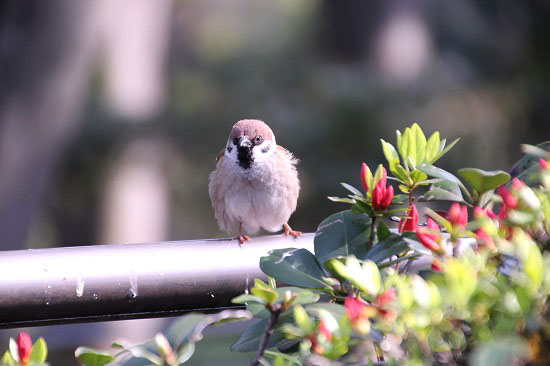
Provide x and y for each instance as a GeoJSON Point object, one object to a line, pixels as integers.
{"type": "Point", "coordinates": [220, 155]}
{"type": "Point", "coordinates": [285, 152]}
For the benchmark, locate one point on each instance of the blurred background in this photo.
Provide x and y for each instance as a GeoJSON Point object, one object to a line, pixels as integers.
{"type": "Point", "coordinates": [113, 111]}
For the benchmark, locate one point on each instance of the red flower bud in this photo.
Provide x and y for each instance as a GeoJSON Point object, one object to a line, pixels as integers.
{"type": "Point", "coordinates": [543, 164]}
{"type": "Point", "coordinates": [24, 347]}
{"type": "Point", "coordinates": [410, 223]}
{"type": "Point", "coordinates": [509, 199]}
{"type": "Point", "coordinates": [430, 236]}
{"type": "Point", "coordinates": [384, 178]}
{"type": "Point", "coordinates": [323, 330]}
{"type": "Point", "coordinates": [382, 195]}
{"type": "Point", "coordinates": [364, 169]}
{"type": "Point", "coordinates": [485, 240]}
{"type": "Point", "coordinates": [437, 265]}
{"type": "Point", "coordinates": [458, 215]}
{"type": "Point", "coordinates": [517, 184]}
{"type": "Point", "coordinates": [385, 297]}
{"type": "Point", "coordinates": [479, 212]}
{"type": "Point", "coordinates": [354, 307]}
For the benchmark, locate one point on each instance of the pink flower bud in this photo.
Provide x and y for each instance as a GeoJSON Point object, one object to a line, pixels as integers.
{"type": "Point", "coordinates": [484, 240]}
{"type": "Point", "coordinates": [509, 199]}
{"type": "Point", "coordinates": [479, 212]}
{"type": "Point", "coordinates": [410, 223]}
{"type": "Point", "coordinates": [323, 330]}
{"type": "Point", "coordinates": [458, 215]}
{"type": "Point", "coordinates": [517, 184]}
{"type": "Point", "coordinates": [354, 307]}
{"type": "Point", "coordinates": [24, 347]}
{"type": "Point", "coordinates": [364, 169]}
{"type": "Point", "coordinates": [437, 265]}
{"type": "Point", "coordinates": [384, 177]}
{"type": "Point", "coordinates": [543, 164]}
{"type": "Point", "coordinates": [430, 236]}
{"type": "Point", "coordinates": [382, 195]}
{"type": "Point", "coordinates": [385, 297]}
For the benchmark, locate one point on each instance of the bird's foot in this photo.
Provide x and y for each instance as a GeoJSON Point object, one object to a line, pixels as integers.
{"type": "Point", "coordinates": [243, 239]}
{"type": "Point", "coordinates": [289, 231]}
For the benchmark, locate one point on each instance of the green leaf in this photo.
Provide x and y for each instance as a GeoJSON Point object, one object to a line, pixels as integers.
{"type": "Point", "coordinates": [377, 176]}
{"type": "Point", "coordinates": [405, 148]}
{"type": "Point", "coordinates": [435, 172]}
{"type": "Point", "coordinates": [404, 188]}
{"type": "Point", "coordinates": [251, 337]}
{"type": "Point", "coordinates": [336, 310]}
{"type": "Point", "coordinates": [261, 284]}
{"type": "Point", "coordinates": [534, 267]}
{"type": "Point", "coordinates": [7, 360]}
{"type": "Point", "coordinates": [342, 234]}
{"type": "Point", "coordinates": [302, 319]}
{"type": "Point", "coordinates": [418, 176]}
{"type": "Point", "coordinates": [461, 279]}
{"type": "Point", "coordinates": [382, 231]}
{"type": "Point", "coordinates": [528, 165]}
{"type": "Point", "coordinates": [283, 356]}
{"type": "Point", "coordinates": [92, 357]}
{"type": "Point", "coordinates": [13, 349]}
{"type": "Point", "coordinates": [297, 267]}
{"type": "Point", "coordinates": [182, 328]}
{"type": "Point", "coordinates": [444, 190]}
{"type": "Point", "coordinates": [392, 245]}
{"type": "Point", "coordinates": [518, 217]}
{"type": "Point", "coordinates": [538, 151]}
{"type": "Point", "coordinates": [445, 150]}
{"type": "Point", "coordinates": [302, 296]}
{"type": "Point", "coordinates": [432, 147]}
{"type": "Point", "coordinates": [185, 352]}
{"type": "Point", "coordinates": [483, 181]}
{"type": "Point", "coordinates": [337, 268]}
{"type": "Point", "coordinates": [370, 279]}
{"type": "Point", "coordinates": [389, 152]}
{"type": "Point", "coordinates": [267, 294]}
{"type": "Point", "coordinates": [499, 352]}
{"type": "Point", "coordinates": [399, 172]}
{"type": "Point", "coordinates": [352, 189]}
{"type": "Point", "coordinates": [419, 144]}
{"type": "Point", "coordinates": [342, 200]}
{"type": "Point", "coordinates": [247, 298]}
{"type": "Point", "coordinates": [439, 219]}
{"type": "Point", "coordinates": [39, 351]}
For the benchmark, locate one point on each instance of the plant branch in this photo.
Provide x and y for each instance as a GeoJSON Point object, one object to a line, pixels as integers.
{"type": "Point", "coordinates": [274, 317]}
{"type": "Point", "coordinates": [372, 228]}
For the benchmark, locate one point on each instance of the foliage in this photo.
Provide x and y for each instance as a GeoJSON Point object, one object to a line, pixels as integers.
{"type": "Point", "coordinates": [173, 349]}
{"type": "Point", "coordinates": [24, 353]}
{"type": "Point", "coordinates": [480, 297]}
{"type": "Point", "coordinates": [468, 286]}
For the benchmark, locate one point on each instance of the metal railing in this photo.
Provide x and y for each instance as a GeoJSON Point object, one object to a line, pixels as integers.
{"type": "Point", "coordinates": [129, 281]}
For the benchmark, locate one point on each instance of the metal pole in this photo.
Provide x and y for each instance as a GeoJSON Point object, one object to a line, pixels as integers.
{"type": "Point", "coordinates": [129, 281]}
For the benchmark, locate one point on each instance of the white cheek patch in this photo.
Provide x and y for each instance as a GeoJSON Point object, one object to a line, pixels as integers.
{"type": "Point", "coordinates": [263, 151]}
{"type": "Point", "coordinates": [231, 151]}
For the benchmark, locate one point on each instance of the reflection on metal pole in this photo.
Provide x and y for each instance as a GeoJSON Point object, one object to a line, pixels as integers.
{"type": "Point", "coordinates": [129, 281]}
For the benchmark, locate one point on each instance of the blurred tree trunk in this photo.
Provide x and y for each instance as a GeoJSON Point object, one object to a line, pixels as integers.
{"type": "Point", "coordinates": [46, 50]}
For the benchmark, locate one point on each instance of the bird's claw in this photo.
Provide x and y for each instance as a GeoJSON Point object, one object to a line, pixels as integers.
{"type": "Point", "coordinates": [243, 239]}
{"type": "Point", "coordinates": [288, 231]}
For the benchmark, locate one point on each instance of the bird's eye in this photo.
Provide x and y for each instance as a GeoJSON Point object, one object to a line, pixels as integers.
{"type": "Point", "coordinates": [258, 140]}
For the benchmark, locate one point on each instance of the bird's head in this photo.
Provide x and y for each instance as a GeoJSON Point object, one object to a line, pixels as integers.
{"type": "Point", "coordinates": [250, 141]}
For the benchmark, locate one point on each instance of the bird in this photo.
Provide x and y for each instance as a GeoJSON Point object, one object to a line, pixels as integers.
{"type": "Point", "coordinates": [255, 184]}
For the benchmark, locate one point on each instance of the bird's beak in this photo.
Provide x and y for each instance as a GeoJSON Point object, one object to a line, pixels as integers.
{"type": "Point", "coordinates": [245, 142]}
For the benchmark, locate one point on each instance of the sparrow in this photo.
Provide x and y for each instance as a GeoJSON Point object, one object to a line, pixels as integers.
{"type": "Point", "coordinates": [255, 184]}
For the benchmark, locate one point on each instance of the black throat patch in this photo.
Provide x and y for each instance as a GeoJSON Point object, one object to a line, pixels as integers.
{"type": "Point", "coordinates": [244, 155]}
